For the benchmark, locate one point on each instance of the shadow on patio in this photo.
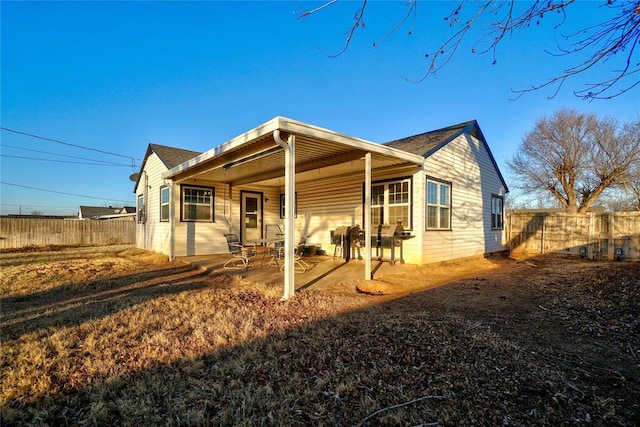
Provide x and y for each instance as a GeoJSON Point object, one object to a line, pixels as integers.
{"type": "Point", "coordinates": [326, 273]}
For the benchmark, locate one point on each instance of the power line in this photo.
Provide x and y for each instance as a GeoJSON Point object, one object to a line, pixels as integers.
{"type": "Point", "coordinates": [133, 161]}
{"type": "Point", "coordinates": [62, 155]}
{"type": "Point", "coordinates": [66, 194]}
{"type": "Point", "coordinates": [38, 206]}
{"type": "Point", "coordinates": [62, 161]}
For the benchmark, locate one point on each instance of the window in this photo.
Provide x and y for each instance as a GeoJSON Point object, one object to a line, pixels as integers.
{"type": "Point", "coordinates": [391, 203]}
{"type": "Point", "coordinates": [142, 218]}
{"type": "Point", "coordinates": [497, 212]}
{"type": "Point", "coordinates": [197, 203]}
{"type": "Point", "coordinates": [295, 206]}
{"type": "Point", "coordinates": [164, 203]}
{"type": "Point", "coordinates": [438, 205]}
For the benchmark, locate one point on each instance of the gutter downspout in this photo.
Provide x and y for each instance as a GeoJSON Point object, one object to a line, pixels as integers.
{"type": "Point", "coordinates": [172, 222]}
{"type": "Point", "coordinates": [367, 216]}
{"type": "Point", "coordinates": [145, 201]}
{"type": "Point", "coordinates": [289, 214]}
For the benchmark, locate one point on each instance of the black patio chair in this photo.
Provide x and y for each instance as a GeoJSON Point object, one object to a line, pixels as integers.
{"type": "Point", "coordinates": [299, 265]}
{"type": "Point", "coordinates": [241, 254]}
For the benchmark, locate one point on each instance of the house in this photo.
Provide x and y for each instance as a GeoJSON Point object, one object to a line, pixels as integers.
{"type": "Point", "coordinates": [443, 186]}
{"type": "Point", "coordinates": [106, 212]}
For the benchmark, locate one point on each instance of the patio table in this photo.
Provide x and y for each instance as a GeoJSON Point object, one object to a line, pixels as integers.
{"type": "Point", "coordinates": [270, 249]}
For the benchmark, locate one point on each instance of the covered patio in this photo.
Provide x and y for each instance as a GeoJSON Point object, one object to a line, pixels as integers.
{"type": "Point", "coordinates": [284, 153]}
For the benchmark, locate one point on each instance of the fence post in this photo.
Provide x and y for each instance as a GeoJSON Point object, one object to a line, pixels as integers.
{"type": "Point", "coordinates": [590, 236]}
{"type": "Point", "coordinates": [612, 237]}
{"type": "Point", "coordinates": [544, 217]}
{"type": "Point", "coordinates": [511, 232]}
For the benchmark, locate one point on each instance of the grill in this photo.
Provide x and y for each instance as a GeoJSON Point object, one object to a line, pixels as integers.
{"type": "Point", "coordinates": [346, 239]}
{"type": "Point", "coordinates": [389, 237]}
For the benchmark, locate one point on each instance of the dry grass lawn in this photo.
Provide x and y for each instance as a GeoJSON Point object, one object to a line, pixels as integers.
{"type": "Point", "coordinates": [117, 336]}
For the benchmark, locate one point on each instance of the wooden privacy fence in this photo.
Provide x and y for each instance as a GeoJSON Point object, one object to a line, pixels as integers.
{"type": "Point", "coordinates": [614, 235]}
{"type": "Point", "coordinates": [23, 232]}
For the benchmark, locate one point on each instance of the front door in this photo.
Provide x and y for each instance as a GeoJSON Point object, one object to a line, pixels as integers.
{"type": "Point", "coordinates": [251, 216]}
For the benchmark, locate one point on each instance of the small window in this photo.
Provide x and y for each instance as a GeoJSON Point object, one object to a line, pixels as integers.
{"type": "Point", "coordinates": [197, 203]}
{"type": "Point", "coordinates": [391, 203]}
{"type": "Point", "coordinates": [295, 206]}
{"type": "Point", "coordinates": [438, 205]}
{"type": "Point", "coordinates": [497, 212]}
{"type": "Point", "coordinates": [142, 217]}
{"type": "Point", "coordinates": [164, 204]}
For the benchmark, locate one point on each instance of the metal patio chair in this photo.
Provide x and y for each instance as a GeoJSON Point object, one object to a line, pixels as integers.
{"type": "Point", "coordinates": [299, 265]}
{"type": "Point", "coordinates": [241, 254]}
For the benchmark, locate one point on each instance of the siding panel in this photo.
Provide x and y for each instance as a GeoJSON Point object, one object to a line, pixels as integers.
{"type": "Point", "coordinates": [465, 162]}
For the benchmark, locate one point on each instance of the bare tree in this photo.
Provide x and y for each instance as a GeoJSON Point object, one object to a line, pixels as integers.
{"type": "Point", "coordinates": [611, 39]}
{"type": "Point", "coordinates": [632, 185]}
{"type": "Point", "coordinates": [574, 157]}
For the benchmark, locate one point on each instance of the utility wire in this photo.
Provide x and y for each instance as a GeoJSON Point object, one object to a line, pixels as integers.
{"type": "Point", "coordinates": [63, 161]}
{"type": "Point", "coordinates": [133, 161]}
{"type": "Point", "coordinates": [38, 206]}
{"type": "Point", "coordinates": [66, 194]}
{"type": "Point", "coordinates": [62, 155]}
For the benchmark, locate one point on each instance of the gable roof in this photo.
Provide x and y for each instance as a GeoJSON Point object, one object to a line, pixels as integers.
{"type": "Point", "coordinates": [169, 156]}
{"type": "Point", "coordinates": [425, 144]}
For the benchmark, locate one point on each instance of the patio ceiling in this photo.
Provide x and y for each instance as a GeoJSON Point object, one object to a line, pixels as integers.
{"type": "Point", "coordinates": [255, 156]}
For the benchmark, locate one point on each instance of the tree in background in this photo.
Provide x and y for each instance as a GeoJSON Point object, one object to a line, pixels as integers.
{"type": "Point", "coordinates": [633, 184]}
{"type": "Point", "coordinates": [575, 157]}
{"type": "Point", "coordinates": [610, 38]}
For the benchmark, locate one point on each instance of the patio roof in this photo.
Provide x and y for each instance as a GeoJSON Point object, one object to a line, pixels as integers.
{"type": "Point", "coordinates": [318, 153]}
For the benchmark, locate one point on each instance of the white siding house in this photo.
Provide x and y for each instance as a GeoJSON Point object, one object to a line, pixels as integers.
{"type": "Point", "coordinates": [443, 186]}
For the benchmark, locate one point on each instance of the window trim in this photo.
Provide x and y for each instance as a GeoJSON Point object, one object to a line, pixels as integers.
{"type": "Point", "coordinates": [501, 198]}
{"type": "Point", "coordinates": [439, 182]}
{"type": "Point", "coordinates": [167, 204]}
{"type": "Point", "coordinates": [386, 205]}
{"type": "Point", "coordinates": [140, 209]}
{"type": "Point", "coordinates": [295, 205]}
{"type": "Point", "coordinates": [183, 187]}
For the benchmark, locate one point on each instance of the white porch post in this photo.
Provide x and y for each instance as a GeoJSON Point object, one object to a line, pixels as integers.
{"type": "Point", "coordinates": [289, 214]}
{"type": "Point", "coordinates": [172, 221]}
{"type": "Point", "coordinates": [367, 216]}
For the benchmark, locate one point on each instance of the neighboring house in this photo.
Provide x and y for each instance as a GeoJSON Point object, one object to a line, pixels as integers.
{"type": "Point", "coordinates": [443, 186]}
{"type": "Point", "coordinates": [109, 212]}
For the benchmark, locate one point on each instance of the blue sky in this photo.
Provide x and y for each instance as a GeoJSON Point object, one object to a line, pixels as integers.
{"type": "Point", "coordinates": [115, 76]}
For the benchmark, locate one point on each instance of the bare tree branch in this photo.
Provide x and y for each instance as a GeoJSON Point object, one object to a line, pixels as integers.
{"type": "Point", "coordinates": [413, 10]}
{"type": "Point", "coordinates": [305, 13]}
{"type": "Point", "coordinates": [614, 40]}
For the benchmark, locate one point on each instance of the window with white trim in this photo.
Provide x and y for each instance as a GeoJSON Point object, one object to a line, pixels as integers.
{"type": "Point", "coordinates": [282, 206]}
{"type": "Point", "coordinates": [391, 203]}
{"type": "Point", "coordinates": [142, 218]}
{"type": "Point", "coordinates": [164, 203]}
{"type": "Point", "coordinates": [197, 203]}
{"type": "Point", "coordinates": [497, 212]}
{"type": "Point", "coordinates": [438, 213]}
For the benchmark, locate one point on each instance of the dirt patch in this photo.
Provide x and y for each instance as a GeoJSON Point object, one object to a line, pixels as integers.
{"type": "Point", "coordinates": [404, 279]}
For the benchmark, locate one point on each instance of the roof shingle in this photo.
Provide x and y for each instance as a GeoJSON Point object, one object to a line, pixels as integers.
{"type": "Point", "coordinates": [427, 143]}
{"type": "Point", "coordinates": [172, 157]}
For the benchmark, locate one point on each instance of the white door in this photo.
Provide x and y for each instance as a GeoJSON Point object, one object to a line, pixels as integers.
{"type": "Point", "coordinates": [251, 216]}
